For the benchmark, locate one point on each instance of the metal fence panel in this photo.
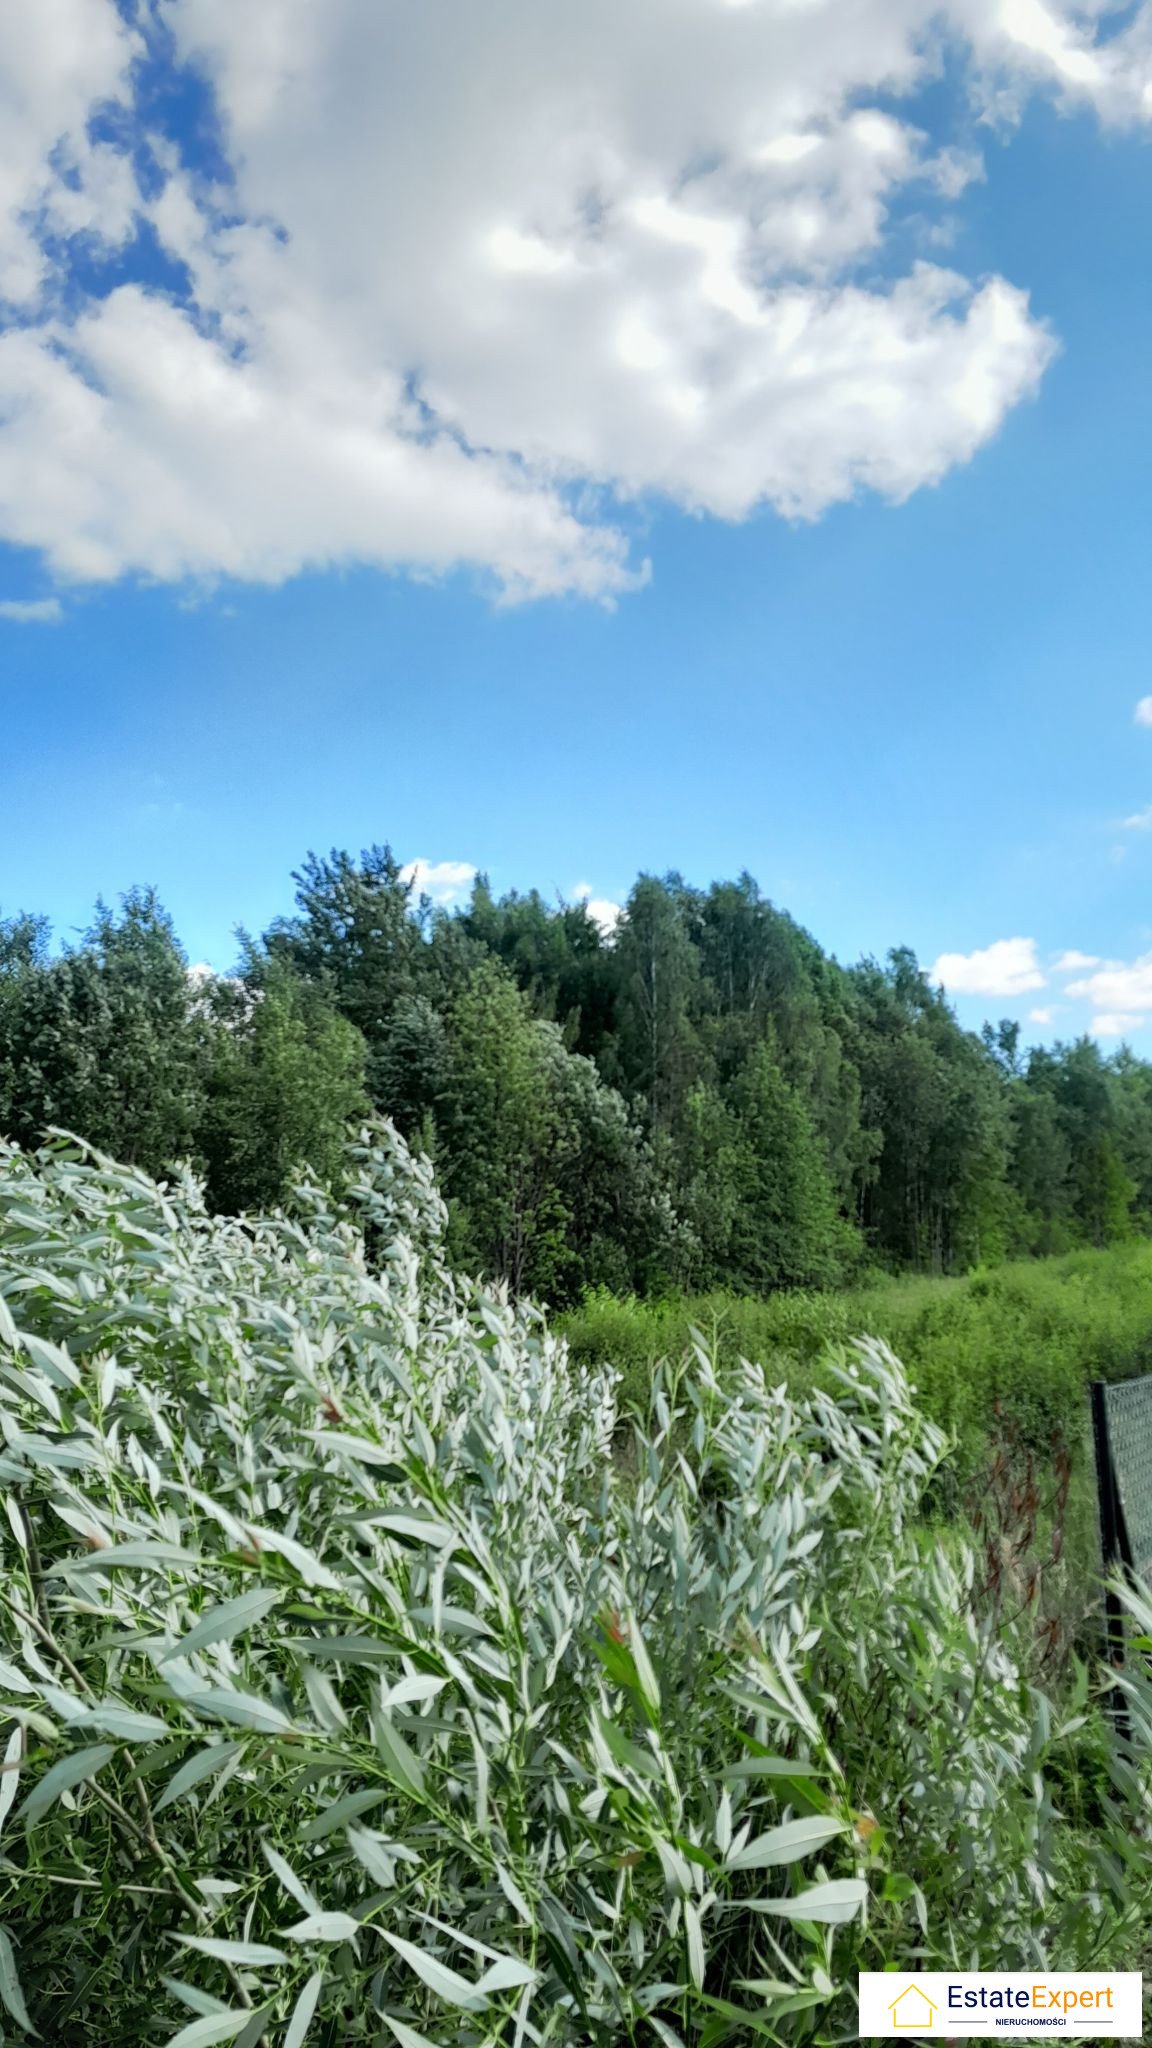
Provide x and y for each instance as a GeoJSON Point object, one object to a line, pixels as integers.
{"type": "Point", "coordinates": [1129, 1416]}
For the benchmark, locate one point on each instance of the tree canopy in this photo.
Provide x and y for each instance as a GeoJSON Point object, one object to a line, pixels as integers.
{"type": "Point", "coordinates": [700, 1097]}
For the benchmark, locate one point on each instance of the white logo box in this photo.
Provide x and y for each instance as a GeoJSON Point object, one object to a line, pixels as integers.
{"type": "Point", "coordinates": [938, 2005]}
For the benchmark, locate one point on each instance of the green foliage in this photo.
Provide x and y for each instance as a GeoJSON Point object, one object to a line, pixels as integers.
{"type": "Point", "coordinates": [549, 1181]}
{"type": "Point", "coordinates": [701, 1098]}
{"type": "Point", "coordinates": [351, 1689]}
{"type": "Point", "coordinates": [286, 1081]}
{"type": "Point", "coordinates": [103, 1039]}
{"type": "Point", "coordinates": [1027, 1335]}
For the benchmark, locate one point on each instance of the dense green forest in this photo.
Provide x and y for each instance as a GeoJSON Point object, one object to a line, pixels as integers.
{"type": "Point", "coordinates": [702, 1098]}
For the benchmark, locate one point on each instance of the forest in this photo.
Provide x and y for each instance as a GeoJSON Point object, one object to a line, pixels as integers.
{"type": "Point", "coordinates": [700, 1098]}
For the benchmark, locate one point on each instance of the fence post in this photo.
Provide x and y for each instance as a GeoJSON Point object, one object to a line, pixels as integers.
{"type": "Point", "coordinates": [1111, 1544]}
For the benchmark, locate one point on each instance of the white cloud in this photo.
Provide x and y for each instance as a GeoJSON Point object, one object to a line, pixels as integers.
{"type": "Point", "coordinates": [1114, 1024]}
{"type": "Point", "coordinates": [1118, 987]}
{"type": "Point", "coordinates": [445, 881]}
{"type": "Point", "coordinates": [1041, 1016]}
{"type": "Point", "coordinates": [1140, 821]}
{"type": "Point", "coordinates": [607, 915]}
{"type": "Point", "coordinates": [31, 611]}
{"type": "Point", "coordinates": [476, 259]}
{"type": "Point", "coordinates": [487, 274]}
{"type": "Point", "coordinates": [601, 909]}
{"type": "Point", "coordinates": [1143, 712]}
{"type": "Point", "coordinates": [1009, 967]}
{"type": "Point", "coordinates": [1071, 963]}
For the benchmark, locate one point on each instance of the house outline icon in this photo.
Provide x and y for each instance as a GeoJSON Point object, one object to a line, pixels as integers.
{"type": "Point", "coordinates": [913, 2020]}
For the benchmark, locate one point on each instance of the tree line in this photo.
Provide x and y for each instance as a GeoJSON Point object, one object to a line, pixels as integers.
{"type": "Point", "coordinates": [700, 1098]}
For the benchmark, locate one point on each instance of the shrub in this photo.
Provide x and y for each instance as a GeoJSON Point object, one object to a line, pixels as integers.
{"type": "Point", "coordinates": [354, 1690]}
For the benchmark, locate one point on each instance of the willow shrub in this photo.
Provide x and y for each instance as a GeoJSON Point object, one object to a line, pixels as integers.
{"type": "Point", "coordinates": [356, 1686]}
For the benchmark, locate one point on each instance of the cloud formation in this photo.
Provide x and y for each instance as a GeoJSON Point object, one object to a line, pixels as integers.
{"type": "Point", "coordinates": [479, 279]}
{"type": "Point", "coordinates": [1009, 967]}
{"type": "Point", "coordinates": [1143, 711]}
{"type": "Point", "coordinates": [444, 881]}
{"type": "Point", "coordinates": [1119, 988]}
{"type": "Point", "coordinates": [601, 909]}
{"type": "Point", "coordinates": [32, 611]}
{"type": "Point", "coordinates": [1114, 1024]}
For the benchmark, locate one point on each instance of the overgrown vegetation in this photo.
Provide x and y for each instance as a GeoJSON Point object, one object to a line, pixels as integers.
{"type": "Point", "coordinates": [699, 1099]}
{"type": "Point", "coordinates": [353, 1690]}
{"type": "Point", "coordinates": [1016, 1344]}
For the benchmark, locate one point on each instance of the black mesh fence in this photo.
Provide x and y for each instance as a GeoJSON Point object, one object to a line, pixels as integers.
{"type": "Point", "coordinates": [1129, 1411]}
{"type": "Point", "coordinates": [1122, 1422]}
{"type": "Point", "coordinates": [1122, 1429]}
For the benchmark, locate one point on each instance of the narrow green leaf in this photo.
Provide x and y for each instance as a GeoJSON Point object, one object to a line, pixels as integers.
{"type": "Point", "coordinates": [832, 1903]}
{"type": "Point", "coordinates": [649, 1685]}
{"type": "Point", "coordinates": [695, 1942]}
{"type": "Point", "coordinates": [191, 1995]}
{"type": "Point", "coordinates": [256, 1954]}
{"type": "Point", "coordinates": [514, 1895]}
{"type": "Point", "coordinates": [304, 2011]}
{"type": "Point", "coordinates": [155, 1556]}
{"type": "Point", "coordinates": [419, 1528]}
{"type": "Point", "coordinates": [241, 1709]}
{"type": "Point", "coordinates": [786, 1844]}
{"type": "Point", "coordinates": [70, 1771]}
{"type": "Point", "coordinates": [294, 1886]}
{"type": "Point", "coordinates": [10, 1990]}
{"type": "Point", "coordinates": [407, 2036]}
{"type": "Point", "coordinates": [340, 1813]}
{"type": "Point", "coordinates": [214, 2027]}
{"type": "Point", "coordinates": [772, 1767]}
{"type": "Point", "coordinates": [370, 1851]}
{"type": "Point", "coordinates": [447, 1984]}
{"type": "Point", "coordinates": [10, 1775]}
{"type": "Point", "coordinates": [303, 1560]}
{"type": "Point", "coordinates": [203, 1765]}
{"type": "Point", "coordinates": [52, 1360]}
{"type": "Point", "coordinates": [355, 1447]}
{"type": "Point", "coordinates": [324, 1927]}
{"type": "Point", "coordinates": [407, 1690]}
{"type": "Point", "coordinates": [222, 1623]}
{"type": "Point", "coordinates": [399, 1761]}
{"type": "Point", "coordinates": [626, 1752]}
{"type": "Point", "coordinates": [507, 1974]}
{"type": "Point", "coordinates": [122, 1724]}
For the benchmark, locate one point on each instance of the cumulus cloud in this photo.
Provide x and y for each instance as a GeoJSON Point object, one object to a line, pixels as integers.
{"type": "Point", "coordinates": [482, 277]}
{"type": "Point", "coordinates": [1114, 1024]}
{"type": "Point", "coordinates": [1143, 712]}
{"type": "Point", "coordinates": [1118, 987]}
{"type": "Point", "coordinates": [1009, 967]}
{"type": "Point", "coordinates": [1140, 821]}
{"type": "Point", "coordinates": [1044, 1016]}
{"type": "Point", "coordinates": [31, 611]}
{"type": "Point", "coordinates": [1072, 962]}
{"type": "Point", "coordinates": [444, 881]}
{"type": "Point", "coordinates": [601, 909]}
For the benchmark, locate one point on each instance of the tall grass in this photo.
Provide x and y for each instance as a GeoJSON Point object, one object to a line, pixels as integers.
{"type": "Point", "coordinates": [1014, 1346]}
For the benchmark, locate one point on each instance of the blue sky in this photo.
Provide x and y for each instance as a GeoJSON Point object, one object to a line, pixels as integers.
{"type": "Point", "coordinates": [569, 635]}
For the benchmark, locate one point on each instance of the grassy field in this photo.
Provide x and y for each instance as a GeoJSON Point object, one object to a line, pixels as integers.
{"type": "Point", "coordinates": [1002, 1360]}
{"type": "Point", "coordinates": [1027, 1336]}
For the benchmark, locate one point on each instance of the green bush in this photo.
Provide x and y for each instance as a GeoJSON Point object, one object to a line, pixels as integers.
{"type": "Point", "coordinates": [353, 1689]}
{"type": "Point", "coordinates": [1020, 1342]}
